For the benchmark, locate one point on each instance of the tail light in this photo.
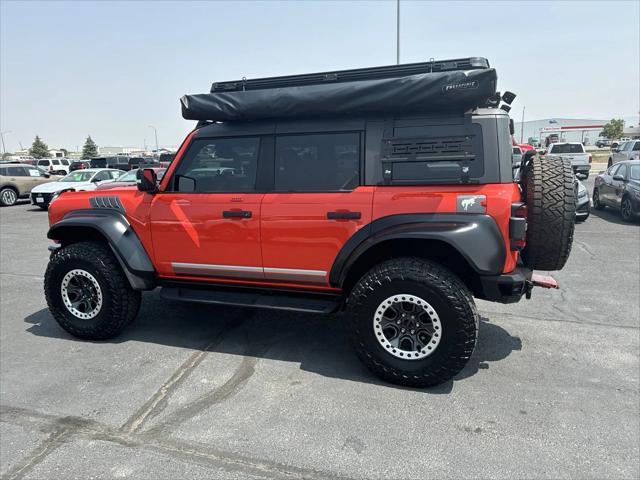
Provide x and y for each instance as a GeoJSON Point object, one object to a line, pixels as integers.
{"type": "Point", "coordinates": [590, 158]}
{"type": "Point", "coordinates": [518, 226]}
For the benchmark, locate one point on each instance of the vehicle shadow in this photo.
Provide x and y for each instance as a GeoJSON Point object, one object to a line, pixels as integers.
{"type": "Point", "coordinates": [318, 343]}
{"type": "Point", "coordinates": [611, 215]}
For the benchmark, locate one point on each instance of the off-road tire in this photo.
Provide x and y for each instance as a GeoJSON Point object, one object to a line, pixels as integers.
{"type": "Point", "coordinates": [448, 295]}
{"type": "Point", "coordinates": [597, 204]}
{"type": "Point", "coordinates": [120, 303]}
{"type": "Point", "coordinates": [7, 200]}
{"type": "Point", "coordinates": [551, 204]}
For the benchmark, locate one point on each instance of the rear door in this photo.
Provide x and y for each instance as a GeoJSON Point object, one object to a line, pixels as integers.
{"type": "Point", "coordinates": [317, 204]}
{"type": "Point", "coordinates": [207, 222]}
{"type": "Point", "coordinates": [606, 188]}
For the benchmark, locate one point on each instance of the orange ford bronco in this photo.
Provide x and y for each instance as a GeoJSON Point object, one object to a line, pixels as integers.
{"type": "Point", "coordinates": [385, 193]}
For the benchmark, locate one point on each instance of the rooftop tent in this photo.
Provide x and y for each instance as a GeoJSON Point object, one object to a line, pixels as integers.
{"type": "Point", "coordinates": [444, 86]}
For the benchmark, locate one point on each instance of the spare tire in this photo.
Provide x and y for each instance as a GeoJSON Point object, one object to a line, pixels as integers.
{"type": "Point", "coordinates": [551, 207]}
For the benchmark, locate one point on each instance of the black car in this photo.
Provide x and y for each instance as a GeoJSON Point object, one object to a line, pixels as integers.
{"type": "Point", "coordinates": [619, 187]}
{"type": "Point", "coordinates": [79, 165]}
{"type": "Point", "coordinates": [118, 162]}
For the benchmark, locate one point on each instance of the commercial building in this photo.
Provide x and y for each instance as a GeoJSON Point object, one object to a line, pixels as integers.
{"type": "Point", "coordinates": [586, 130]}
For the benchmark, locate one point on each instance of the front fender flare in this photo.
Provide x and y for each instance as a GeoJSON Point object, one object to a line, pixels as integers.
{"type": "Point", "coordinates": [120, 236]}
{"type": "Point", "coordinates": [475, 236]}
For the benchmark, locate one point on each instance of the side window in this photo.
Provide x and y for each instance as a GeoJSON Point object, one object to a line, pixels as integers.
{"type": "Point", "coordinates": [101, 176]}
{"type": "Point", "coordinates": [3, 171]}
{"type": "Point", "coordinates": [218, 165]}
{"type": "Point", "coordinates": [114, 174]}
{"type": "Point", "coordinates": [636, 146]}
{"type": "Point", "coordinates": [44, 163]}
{"type": "Point", "coordinates": [55, 162]}
{"type": "Point", "coordinates": [33, 172]}
{"type": "Point", "coordinates": [317, 162]}
{"type": "Point", "coordinates": [622, 170]}
{"type": "Point", "coordinates": [64, 162]}
{"type": "Point", "coordinates": [16, 172]}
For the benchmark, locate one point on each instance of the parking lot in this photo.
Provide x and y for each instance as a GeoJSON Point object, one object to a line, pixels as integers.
{"type": "Point", "coordinates": [552, 390]}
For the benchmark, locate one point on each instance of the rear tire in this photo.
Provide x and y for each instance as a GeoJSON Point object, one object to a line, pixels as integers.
{"type": "Point", "coordinates": [87, 292]}
{"type": "Point", "coordinates": [626, 209]}
{"type": "Point", "coordinates": [551, 204]}
{"type": "Point", "coordinates": [8, 197]}
{"type": "Point", "coordinates": [438, 307]}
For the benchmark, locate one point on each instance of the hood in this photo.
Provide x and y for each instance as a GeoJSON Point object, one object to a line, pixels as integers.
{"type": "Point", "coordinates": [115, 184]}
{"type": "Point", "coordinates": [53, 187]}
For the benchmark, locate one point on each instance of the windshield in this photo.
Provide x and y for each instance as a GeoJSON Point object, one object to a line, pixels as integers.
{"type": "Point", "coordinates": [635, 172]}
{"type": "Point", "coordinates": [567, 148]}
{"type": "Point", "coordinates": [78, 176]}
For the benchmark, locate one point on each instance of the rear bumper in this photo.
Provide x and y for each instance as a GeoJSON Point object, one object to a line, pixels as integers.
{"type": "Point", "coordinates": [507, 287]}
{"type": "Point", "coordinates": [583, 169]}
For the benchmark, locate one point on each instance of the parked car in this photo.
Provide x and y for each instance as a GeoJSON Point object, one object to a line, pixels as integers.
{"type": "Point", "coordinates": [129, 179]}
{"type": "Point", "coordinates": [619, 188]}
{"type": "Point", "coordinates": [80, 180]}
{"type": "Point", "coordinates": [118, 162]}
{"type": "Point", "coordinates": [165, 159]}
{"type": "Point", "coordinates": [79, 165]}
{"type": "Point", "coordinates": [629, 150]}
{"type": "Point", "coordinates": [583, 202]}
{"type": "Point", "coordinates": [516, 156]}
{"type": "Point", "coordinates": [575, 153]}
{"type": "Point", "coordinates": [282, 204]}
{"type": "Point", "coordinates": [55, 166]}
{"type": "Point", "coordinates": [17, 180]}
{"type": "Point", "coordinates": [603, 142]}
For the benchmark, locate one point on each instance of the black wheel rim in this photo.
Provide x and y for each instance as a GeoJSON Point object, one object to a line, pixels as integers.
{"type": "Point", "coordinates": [626, 208]}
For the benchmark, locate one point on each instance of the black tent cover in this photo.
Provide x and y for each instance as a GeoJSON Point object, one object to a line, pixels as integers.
{"type": "Point", "coordinates": [454, 91]}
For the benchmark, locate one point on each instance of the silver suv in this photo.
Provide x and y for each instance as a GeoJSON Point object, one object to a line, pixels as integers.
{"type": "Point", "coordinates": [629, 150]}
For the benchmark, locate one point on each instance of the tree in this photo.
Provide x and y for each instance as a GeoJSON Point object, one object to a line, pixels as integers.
{"type": "Point", "coordinates": [613, 129]}
{"type": "Point", "coordinates": [39, 149]}
{"type": "Point", "coordinates": [65, 151]}
{"type": "Point", "coordinates": [90, 149]}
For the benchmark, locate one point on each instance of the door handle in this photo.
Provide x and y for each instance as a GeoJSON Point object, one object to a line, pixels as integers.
{"type": "Point", "coordinates": [236, 214]}
{"type": "Point", "coordinates": [344, 215]}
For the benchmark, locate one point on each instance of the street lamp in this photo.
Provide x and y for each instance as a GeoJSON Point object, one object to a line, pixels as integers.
{"type": "Point", "coordinates": [4, 150]}
{"type": "Point", "coordinates": [397, 32]}
{"type": "Point", "coordinates": [155, 130]}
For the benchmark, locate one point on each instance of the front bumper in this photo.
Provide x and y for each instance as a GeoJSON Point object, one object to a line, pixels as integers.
{"type": "Point", "coordinates": [41, 199]}
{"type": "Point", "coordinates": [583, 207]}
{"type": "Point", "coordinates": [507, 287]}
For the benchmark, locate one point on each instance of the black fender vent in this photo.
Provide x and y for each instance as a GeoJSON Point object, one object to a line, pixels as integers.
{"type": "Point", "coordinates": [106, 201]}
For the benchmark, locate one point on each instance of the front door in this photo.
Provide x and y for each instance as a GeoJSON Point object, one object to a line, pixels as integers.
{"type": "Point", "coordinates": [316, 206]}
{"type": "Point", "coordinates": [207, 222]}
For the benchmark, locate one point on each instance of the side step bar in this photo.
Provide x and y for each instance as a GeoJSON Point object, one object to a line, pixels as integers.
{"type": "Point", "coordinates": [320, 303]}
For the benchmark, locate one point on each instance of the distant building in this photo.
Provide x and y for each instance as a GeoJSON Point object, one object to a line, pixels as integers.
{"type": "Point", "coordinates": [117, 150]}
{"type": "Point", "coordinates": [631, 132]}
{"type": "Point", "coordinates": [568, 129]}
{"type": "Point", "coordinates": [57, 153]}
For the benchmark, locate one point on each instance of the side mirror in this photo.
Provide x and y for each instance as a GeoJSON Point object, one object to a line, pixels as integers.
{"type": "Point", "coordinates": [618, 177]}
{"type": "Point", "coordinates": [146, 180]}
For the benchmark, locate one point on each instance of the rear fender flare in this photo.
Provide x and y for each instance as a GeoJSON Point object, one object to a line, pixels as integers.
{"type": "Point", "coordinates": [476, 237]}
{"type": "Point", "coordinates": [116, 230]}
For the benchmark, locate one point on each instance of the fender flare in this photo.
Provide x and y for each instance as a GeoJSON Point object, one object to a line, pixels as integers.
{"type": "Point", "coordinates": [117, 231]}
{"type": "Point", "coordinates": [475, 236]}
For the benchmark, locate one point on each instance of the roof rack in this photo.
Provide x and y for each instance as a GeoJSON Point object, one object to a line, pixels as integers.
{"type": "Point", "coordinates": [371, 73]}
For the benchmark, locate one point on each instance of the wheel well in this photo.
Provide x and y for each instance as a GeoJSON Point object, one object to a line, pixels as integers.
{"type": "Point", "coordinates": [73, 234]}
{"type": "Point", "coordinates": [435, 250]}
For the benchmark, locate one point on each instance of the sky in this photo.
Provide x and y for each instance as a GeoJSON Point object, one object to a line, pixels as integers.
{"type": "Point", "coordinates": [111, 69]}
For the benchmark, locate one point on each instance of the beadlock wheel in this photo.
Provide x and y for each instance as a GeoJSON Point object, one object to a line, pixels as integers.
{"type": "Point", "coordinates": [407, 327]}
{"type": "Point", "coordinates": [81, 294]}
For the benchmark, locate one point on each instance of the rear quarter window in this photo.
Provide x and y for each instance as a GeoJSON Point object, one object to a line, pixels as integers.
{"type": "Point", "coordinates": [567, 148]}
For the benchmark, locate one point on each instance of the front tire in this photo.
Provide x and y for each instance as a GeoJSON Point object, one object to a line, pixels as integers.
{"type": "Point", "coordinates": [597, 204]}
{"type": "Point", "coordinates": [413, 322]}
{"type": "Point", "coordinates": [87, 292]}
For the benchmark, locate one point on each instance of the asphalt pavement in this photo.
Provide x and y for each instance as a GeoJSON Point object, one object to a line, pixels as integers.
{"type": "Point", "coordinates": [552, 390]}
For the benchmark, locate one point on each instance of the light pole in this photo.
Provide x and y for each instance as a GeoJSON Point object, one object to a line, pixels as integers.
{"type": "Point", "coordinates": [155, 130]}
{"type": "Point", "coordinates": [522, 127]}
{"type": "Point", "coordinates": [4, 150]}
{"type": "Point", "coordinates": [397, 32]}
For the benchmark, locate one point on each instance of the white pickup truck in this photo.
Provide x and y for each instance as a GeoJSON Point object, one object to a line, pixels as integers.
{"type": "Point", "coordinates": [574, 152]}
